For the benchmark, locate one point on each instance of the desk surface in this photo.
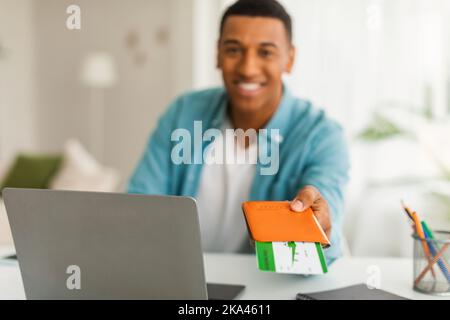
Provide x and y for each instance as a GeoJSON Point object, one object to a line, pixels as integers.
{"type": "Point", "coordinates": [395, 276]}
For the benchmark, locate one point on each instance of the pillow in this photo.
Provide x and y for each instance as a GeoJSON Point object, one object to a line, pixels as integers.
{"type": "Point", "coordinates": [32, 171]}
{"type": "Point", "coordinates": [81, 172]}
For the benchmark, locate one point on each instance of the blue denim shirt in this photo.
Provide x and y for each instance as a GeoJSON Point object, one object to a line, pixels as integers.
{"type": "Point", "coordinates": [312, 151]}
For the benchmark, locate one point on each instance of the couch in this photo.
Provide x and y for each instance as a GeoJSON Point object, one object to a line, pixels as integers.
{"type": "Point", "coordinates": [78, 171]}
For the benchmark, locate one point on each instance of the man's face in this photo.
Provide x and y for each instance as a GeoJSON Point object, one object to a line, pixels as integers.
{"type": "Point", "coordinates": [253, 54]}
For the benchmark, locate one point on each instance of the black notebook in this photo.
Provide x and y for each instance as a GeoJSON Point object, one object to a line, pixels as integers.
{"type": "Point", "coordinates": [356, 292]}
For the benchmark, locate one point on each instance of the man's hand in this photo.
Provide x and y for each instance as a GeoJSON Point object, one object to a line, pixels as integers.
{"type": "Point", "coordinates": [310, 197]}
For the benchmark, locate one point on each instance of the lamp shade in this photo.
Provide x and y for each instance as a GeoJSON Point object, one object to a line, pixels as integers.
{"type": "Point", "coordinates": [98, 70]}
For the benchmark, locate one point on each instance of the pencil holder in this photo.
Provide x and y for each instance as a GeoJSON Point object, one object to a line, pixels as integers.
{"type": "Point", "coordinates": [432, 263]}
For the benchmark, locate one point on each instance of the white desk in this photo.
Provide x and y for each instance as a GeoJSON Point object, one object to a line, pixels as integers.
{"type": "Point", "coordinates": [396, 277]}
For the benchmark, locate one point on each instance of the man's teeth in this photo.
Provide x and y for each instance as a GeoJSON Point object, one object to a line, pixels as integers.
{"type": "Point", "coordinates": [249, 86]}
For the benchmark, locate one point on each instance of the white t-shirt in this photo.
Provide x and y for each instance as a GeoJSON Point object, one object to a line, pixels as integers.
{"type": "Point", "coordinates": [222, 189]}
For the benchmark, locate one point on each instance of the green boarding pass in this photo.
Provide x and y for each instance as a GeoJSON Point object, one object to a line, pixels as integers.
{"type": "Point", "coordinates": [291, 257]}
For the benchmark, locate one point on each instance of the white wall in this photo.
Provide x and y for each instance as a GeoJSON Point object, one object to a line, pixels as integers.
{"type": "Point", "coordinates": [17, 126]}
{"type": "Point", "coordinates": [141, 94]}
{"type": "Point", "coordinates": [42, 100]}
{"type": "Point", "coordinates": [182, 60]}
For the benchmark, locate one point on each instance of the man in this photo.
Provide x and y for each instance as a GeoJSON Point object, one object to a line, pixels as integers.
{"type": "Point", "coordinates": [254, 51]}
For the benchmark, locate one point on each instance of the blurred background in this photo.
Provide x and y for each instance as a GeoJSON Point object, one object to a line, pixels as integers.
{"type": "Point", "coordinates": [79, 104]}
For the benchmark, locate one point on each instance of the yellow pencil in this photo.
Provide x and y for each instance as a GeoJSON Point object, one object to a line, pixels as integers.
{"type": "Point", "coordinates": [421, 234]}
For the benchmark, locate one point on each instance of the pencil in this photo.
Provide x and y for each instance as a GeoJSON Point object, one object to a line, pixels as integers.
{"type": "Point", "coordinates": [418, 226]}
{"type": "Point", "coordinates": [442, 263]}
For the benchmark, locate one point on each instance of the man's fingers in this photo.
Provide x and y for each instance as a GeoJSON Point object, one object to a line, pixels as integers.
{"type": "Point", "coordinates": [321, 209]}
{"type": "Point", "coordinates": [309, 197]}
{"type": "Point", "coordinates": [324, 222]}
{"type": "Point", "coordinates": [305, 199]}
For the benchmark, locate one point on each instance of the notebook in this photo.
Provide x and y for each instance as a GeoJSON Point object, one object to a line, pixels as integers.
{"type": "Point", "coordinates": [356, 292]}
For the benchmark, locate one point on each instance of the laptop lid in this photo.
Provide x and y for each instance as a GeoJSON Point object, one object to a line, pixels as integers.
{"type": "Point", "coordinates": [87, 245]}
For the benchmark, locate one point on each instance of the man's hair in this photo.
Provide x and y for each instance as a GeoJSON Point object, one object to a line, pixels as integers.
{"type": "Point", "coordinates": [259, 8]}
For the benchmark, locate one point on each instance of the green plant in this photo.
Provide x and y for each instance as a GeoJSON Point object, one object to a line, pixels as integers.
{"type": "Point", "coordinates": [381, 128]}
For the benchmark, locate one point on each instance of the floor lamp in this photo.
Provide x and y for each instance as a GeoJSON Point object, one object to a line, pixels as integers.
{"type": "Point", "coordinates": [98, 72]}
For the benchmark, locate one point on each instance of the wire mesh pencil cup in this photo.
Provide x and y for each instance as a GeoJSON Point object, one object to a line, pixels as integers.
{"type": "Point", "coordinates": [432, 264]}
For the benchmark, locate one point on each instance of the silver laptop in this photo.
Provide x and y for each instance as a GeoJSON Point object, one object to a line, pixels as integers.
{"type": "Point", "coordinates": [84, 245]}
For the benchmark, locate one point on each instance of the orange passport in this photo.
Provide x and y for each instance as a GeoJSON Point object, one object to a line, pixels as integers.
{"type": "Point", "coordinates": [274, 221]}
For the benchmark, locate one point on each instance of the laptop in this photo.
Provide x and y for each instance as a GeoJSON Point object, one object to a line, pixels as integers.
{"type": "Point", "coordinates": [90, 245]}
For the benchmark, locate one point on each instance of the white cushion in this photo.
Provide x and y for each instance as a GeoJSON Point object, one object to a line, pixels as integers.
{"type": "Point", "coordinates": [81, 172]}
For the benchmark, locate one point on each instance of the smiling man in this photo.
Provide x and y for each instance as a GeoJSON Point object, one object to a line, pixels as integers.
{"type": "Point", "coordinates": [254, 51]}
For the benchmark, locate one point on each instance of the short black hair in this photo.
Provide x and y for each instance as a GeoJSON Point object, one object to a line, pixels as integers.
{"type": "Point", "coordinates": [259, 8]}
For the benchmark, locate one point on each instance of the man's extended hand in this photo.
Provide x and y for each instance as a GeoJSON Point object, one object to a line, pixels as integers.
{"type": "Point", "coordinates": [310, 197]}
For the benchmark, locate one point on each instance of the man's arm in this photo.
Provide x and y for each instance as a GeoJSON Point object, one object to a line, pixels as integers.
{"type": "Point", "coordinates": [324, 178]}
{"type": "Point", "coordinates": [152, 175]}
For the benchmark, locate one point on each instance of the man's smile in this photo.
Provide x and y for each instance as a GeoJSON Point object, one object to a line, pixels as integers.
{"type": "Point", "coordinates": [249, 89]}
